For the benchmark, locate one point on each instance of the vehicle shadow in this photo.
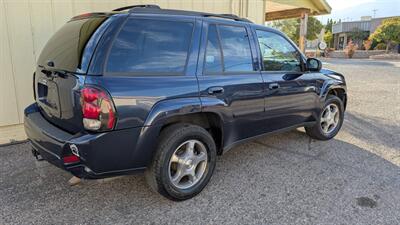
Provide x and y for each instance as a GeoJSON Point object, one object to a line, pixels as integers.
{"type": "Point", "coordinates": [360, 62]}
{"type": "Point", "coordinates": [373, 130]}
{"type": "Point", "coordinates": [275, 177]}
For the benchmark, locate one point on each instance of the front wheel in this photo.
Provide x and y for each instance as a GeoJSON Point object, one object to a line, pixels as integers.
{"type": "Point", "coordinates": [184, 162]}
{"type": "Point", "coordinates": [330, 120]}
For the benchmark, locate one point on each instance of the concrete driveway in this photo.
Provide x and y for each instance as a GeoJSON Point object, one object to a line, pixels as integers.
{"type": "Point", "coordinates": [281, 179]}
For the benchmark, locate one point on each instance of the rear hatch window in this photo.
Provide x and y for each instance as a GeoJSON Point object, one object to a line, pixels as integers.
{"type": "Point", "coordinates": [57, 87]}
{"type": "Point", "coordinates": [65, 48]}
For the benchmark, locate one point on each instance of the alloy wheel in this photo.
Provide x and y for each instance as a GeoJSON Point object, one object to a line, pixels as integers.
{"type": "Point", "coordinates": [330, 118]}
{"type": "Point", "coordinates": [188, 164]}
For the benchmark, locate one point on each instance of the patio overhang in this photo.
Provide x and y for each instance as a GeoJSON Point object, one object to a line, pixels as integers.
{"type": "Point", "coordinates": [285, 9]}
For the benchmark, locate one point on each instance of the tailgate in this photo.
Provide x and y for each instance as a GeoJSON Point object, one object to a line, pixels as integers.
{"type": "Point", "coordinates": [61, 70]}
{"type": "Point", "coordinates": [58, 97]}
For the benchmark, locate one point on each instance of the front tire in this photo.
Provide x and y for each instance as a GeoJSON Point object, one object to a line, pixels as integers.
{"type": "Point", "coordinates": [184, 162]}
{"type": "Point", "coordinates": [330, 120]}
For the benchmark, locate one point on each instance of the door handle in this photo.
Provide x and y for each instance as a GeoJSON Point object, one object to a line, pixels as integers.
{"type": "Point", "coordinates": [274, 86]}
{"type": "Point", "coordinates": [215, 90]}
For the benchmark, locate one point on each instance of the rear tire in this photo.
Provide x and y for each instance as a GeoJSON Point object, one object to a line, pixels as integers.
{"type": "Point", "coordinates": [184, 162]}
{"type": "Point", "coordinates": [329, 121]}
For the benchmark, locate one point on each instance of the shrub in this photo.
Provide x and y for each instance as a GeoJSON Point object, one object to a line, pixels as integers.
{"type": "Point", "coordinates": [328, 38]}
{"type": "Point", "coordinates": [380, 46]}
{"type": "Point", "coordinates": [367, 44]}
{"type": "Point", "coordinates": [388, 32]}
{"type": "Point", "coordinates": [350, 49]}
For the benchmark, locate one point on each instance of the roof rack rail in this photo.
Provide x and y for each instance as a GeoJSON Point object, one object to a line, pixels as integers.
{"type": "Point", "coordinates": [230, 15]}
{"type": "Point", "coordinates": [157, 10]}
{"type": "Point", "coordinates": [137, 6]}
{"type": "Point", "coordinates": [227, 16]}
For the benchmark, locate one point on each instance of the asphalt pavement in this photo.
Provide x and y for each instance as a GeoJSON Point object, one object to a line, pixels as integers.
{"type": "Point", "coordinates": [285, 178]}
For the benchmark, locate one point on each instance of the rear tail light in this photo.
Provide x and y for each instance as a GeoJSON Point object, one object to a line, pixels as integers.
{"type": "Point", "coordinates": [97, 109]}
{"type": "Point", "coordinates": [70, 159]}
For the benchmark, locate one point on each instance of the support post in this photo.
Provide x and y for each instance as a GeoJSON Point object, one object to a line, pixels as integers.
{"type": "Point", "coordinates": [303, 31]}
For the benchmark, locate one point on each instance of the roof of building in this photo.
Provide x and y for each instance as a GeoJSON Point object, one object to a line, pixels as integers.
{"type": "Point", "coordinates": [363, 25]}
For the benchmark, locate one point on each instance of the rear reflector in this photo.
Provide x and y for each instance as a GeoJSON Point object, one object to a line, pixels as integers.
{"type": "Point", "coordinates": [91, 124]}
{"type": "Point", "coordinates": [70, 159]}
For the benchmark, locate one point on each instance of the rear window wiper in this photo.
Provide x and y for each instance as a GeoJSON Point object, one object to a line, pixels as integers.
{"type": "Point", "coordinates": [54, 73]}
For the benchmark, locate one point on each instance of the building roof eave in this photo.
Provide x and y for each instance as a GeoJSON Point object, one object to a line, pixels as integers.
{"type": "Point", "coordinates": [323, 6]}
{"type": "Point", "coordinates": [276, 9]}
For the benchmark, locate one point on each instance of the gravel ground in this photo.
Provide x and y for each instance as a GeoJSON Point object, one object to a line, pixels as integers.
{"type": "Point", "coordinates": [285, 178]}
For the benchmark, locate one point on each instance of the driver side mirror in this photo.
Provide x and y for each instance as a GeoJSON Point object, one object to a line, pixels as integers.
{"type": "Point", "coordinates": [314, 64]}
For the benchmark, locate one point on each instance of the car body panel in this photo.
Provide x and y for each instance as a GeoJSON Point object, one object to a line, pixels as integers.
{"type": "Point", "coordinates": [135, 97]}
{"type": "Point", "coordinates": [241, 104]}
{"type": "Point", "coordinates": [246, 108]}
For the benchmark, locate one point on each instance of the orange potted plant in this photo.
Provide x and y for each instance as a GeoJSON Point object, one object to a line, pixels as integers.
{"type": "Point", "coordinates": [367, 44]}
{"type": "Point", "coordinates": [350, 49]}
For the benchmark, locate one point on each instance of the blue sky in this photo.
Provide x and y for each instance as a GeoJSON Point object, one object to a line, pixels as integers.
{"type": "Point", "coordinates": [351, 10]}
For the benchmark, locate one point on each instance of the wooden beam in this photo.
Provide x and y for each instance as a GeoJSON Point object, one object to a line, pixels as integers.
{"type": "Point", "coordinates": [286, 14]}
{"type": "Point", "coordinates": [303, 31]}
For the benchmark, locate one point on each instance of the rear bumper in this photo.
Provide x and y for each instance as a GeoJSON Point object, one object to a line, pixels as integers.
{"type": "Point", "coordinates": [100, 154]}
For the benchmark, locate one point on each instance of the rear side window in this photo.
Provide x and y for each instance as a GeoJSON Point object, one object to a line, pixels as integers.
{"type": "Point", "coordinates": [154, 47]}
{"type": "Point", "coordinates": [228, 50]}
{"type": "Point", "coordinates": [236, 49]}
{"type": "Point", "coordinates": [213, 62]}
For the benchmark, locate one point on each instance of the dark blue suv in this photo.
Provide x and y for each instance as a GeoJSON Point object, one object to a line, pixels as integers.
{"type": "Point", "coordinates": [165, 91]}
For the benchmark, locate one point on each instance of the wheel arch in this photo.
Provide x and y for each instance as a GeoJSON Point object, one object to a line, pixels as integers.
{"type": "Point", "coordinates": [186, 110]}
{"type": "Point", "coordinates": [336, 89]}
{"type": "Point", "coordinates": [340, 93]}
{"type": "Point", "coordinates": [211, 122]}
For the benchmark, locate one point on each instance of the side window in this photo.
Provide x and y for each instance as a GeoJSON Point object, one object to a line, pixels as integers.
{"type": "Point", "coordinates": [146, 46]}
{"type": "Point", "coordinates": [213, 60]}
{"type": "Point", "coordinates": [235, 49]}
{"type": "Point", "coordinates": [278, 54]}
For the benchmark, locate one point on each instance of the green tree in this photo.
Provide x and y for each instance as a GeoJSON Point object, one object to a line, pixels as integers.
{"type": "Point", "coordinates": [329, 24]}
{"type": "Point", "coordinates": [328, 38]}
{"type": "Point", "coordinates": [314, 27]}
{"type": "Point", "coordinates": [291, 27]}
{"type": "Point", "coordinates": [358, 35]}
{"type": "Point", "coordinates": [388, 32]}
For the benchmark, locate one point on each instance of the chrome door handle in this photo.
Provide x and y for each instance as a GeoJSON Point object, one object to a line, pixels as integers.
{"type": "Point", "coordinates": [274, 86]}
{"type": "Point", "coordinates": [215, 90]}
